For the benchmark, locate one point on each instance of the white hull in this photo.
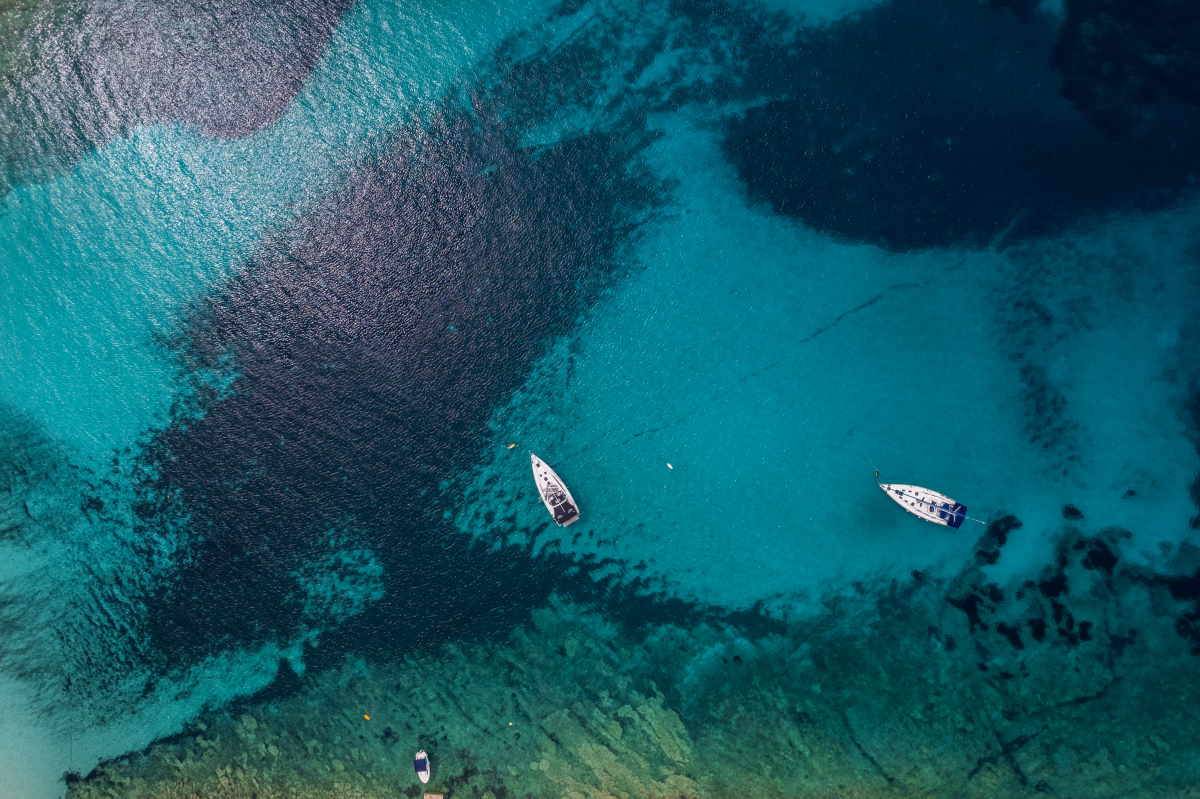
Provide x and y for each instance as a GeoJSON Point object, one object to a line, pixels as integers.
{"type": "Point", "coordinates": [423, 774]}
{"type": "Point", "coordinates": [924, 503]}
{"type": "Point", "coordinates": [554, 493]}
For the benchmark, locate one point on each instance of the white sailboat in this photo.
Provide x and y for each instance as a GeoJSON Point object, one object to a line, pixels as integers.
{"type": "Point", "coordinates": [554, 493]}
{"type": "Point", "coordinates": [925, 503]}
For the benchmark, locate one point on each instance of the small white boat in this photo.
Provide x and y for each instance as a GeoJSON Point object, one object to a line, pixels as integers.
{"type": "Point", "coordinates": [555, 495]}
{"type": "Point", "coordinates": [421, 765]}
{"type": "Point", "coordinates": [925, 503]}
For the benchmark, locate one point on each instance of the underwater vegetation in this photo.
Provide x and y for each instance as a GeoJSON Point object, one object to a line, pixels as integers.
{"type": "Point", "coordinates": [963, 687]}
{"type": "Point", "coordinates": [1134, 68]}
{"type": "Point", "coordinates": [957, 144]}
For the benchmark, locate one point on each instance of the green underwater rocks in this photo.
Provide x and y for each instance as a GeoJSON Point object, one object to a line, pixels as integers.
{"type": "Point", "coordinates": [964, 688]}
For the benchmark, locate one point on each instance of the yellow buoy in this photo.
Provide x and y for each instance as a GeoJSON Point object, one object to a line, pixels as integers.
{"type": "Point", "coordinates": [366, 716]}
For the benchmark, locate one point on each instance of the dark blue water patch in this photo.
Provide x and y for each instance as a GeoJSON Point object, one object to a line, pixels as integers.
{"type": "Point", "coordinates": [1133, 66]}
{"type": "Point", "coordinates": [371, 345]}
{"type": "Point", "coordinates": [1194, 492]}
{"type": "Point", "coordinates": [988, 548]}
{"type": "Point", "coordinates": [909, 126]}
{"type": "Point", "coordinates": [1192, 419]}
{"type": "Point", "coordinates": [84, 73]}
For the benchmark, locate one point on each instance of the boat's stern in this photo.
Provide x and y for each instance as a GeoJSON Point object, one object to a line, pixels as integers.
{"type": "Point", "coordinates": [954, 515]}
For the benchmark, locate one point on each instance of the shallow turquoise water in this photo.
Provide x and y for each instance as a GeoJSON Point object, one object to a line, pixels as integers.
{"type": "Point", "coordinates": [142, 227]}
{"type": "Point", "coordinates": [258, 387]}
{"type": "Point", "coordinates": [774, 388]}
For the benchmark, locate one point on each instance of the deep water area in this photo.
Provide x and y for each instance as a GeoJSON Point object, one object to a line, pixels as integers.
{"type": "Point", "coordinates": [293, 289]}
{"type": "Point", "coordinates": [943, 143]}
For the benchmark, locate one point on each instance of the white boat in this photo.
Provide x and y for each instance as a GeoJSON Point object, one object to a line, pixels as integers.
{"type": "Point", "coordinates": [421, 765]}
{"type": "Point", "coordinates": [555, 495]}
{"type": "Point", "coordinates": [924, 503]}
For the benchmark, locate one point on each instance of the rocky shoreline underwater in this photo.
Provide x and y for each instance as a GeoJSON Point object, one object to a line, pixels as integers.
{"type": "Point", "coordinates": [1077, 680]}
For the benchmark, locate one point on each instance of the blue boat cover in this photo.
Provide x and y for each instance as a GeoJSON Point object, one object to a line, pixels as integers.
{"type": "Point", "coordinates": [952, 516]}
{"type": "Point", "coordinates": [421, 764]}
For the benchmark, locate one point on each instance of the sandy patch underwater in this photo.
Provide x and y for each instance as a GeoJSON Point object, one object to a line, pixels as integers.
{"type": "Point", "coordinates": [985, 344]}
{"type": "Point", "coordinates": [773, 368]}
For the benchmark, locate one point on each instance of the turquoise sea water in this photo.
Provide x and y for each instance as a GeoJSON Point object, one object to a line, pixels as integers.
{"type": "Point", "coordinates": [149, 222]}
{"type": "Point", "coordinates": [716, 262]}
